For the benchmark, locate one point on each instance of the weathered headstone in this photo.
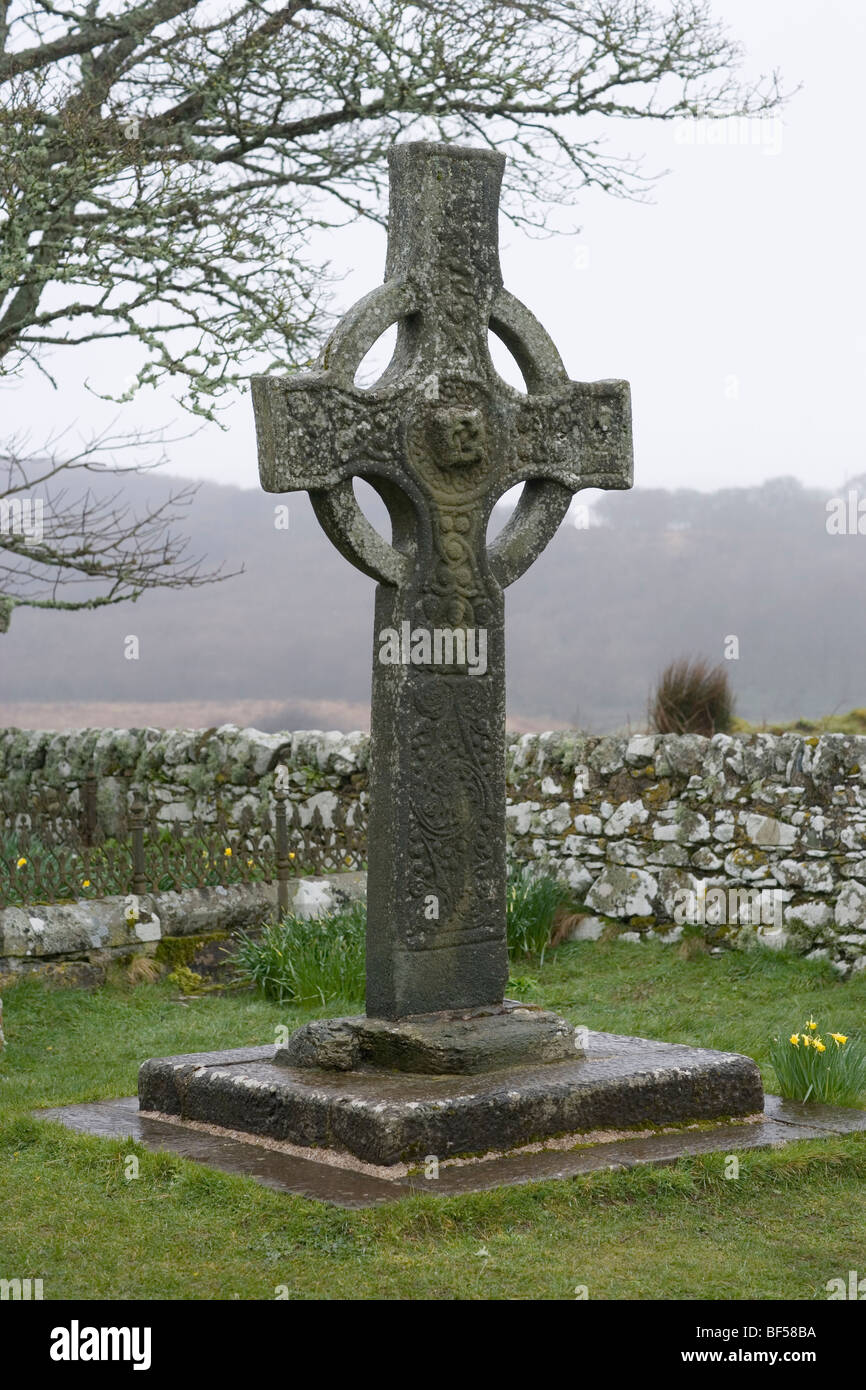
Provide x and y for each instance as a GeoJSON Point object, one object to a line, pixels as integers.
{"type": "Point", "coordinates": [440, 437]}
{"type": "Point", "coordinates": [441, 1063]}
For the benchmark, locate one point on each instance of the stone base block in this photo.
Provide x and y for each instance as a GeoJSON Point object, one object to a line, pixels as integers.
{"type": "Point", "coordinates": [461, 1041]}
{"type": "Point", "coordinates": [390, 1117]}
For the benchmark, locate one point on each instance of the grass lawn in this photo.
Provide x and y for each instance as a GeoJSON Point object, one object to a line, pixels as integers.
{"type": "Point", "coordinates": [793, 1220]}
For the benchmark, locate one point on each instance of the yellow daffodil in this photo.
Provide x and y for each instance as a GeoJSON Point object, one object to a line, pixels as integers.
{"type": "Point", "coordinates": [795, 1039]}
{"type": "Point", "coordinates": [21, 863]}
{"type": "Point", "coordinates": [807, 1041]}
{"type": "Point", "coordinates": [291, 854]}
{"type": "Point", "coordinates": [228, 853]}
{"type": "Point", "coordinates": [819, 1046]}
{"type": "Point", "coordinates": [839, 1038]}
{"type": "Point", "coordinates": [811, 1025]}
{"type": "Point", "coordinates": [86, 883]}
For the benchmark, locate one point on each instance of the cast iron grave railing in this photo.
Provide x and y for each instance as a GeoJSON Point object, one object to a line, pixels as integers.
{"type": "Point", "coordinates": [53, 848]}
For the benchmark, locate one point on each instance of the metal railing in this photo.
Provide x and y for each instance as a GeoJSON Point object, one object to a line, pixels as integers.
{"type": "Point", "coordinates": [53, 848]}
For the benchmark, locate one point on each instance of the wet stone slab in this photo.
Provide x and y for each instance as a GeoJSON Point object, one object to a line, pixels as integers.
{"type": "Point", "coordinates": [285, 1172]}
{"type": "Point", "coordinates": [384, 1118]}
{"type": "Point", "coordinates": [341, 1184]}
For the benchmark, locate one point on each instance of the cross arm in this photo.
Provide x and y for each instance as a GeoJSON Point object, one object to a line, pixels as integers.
{"type": "Point", "coordinates": [313, 434]}
{"type": "Point", "coordinates": [316, 428]}
{"type": "Point", "coordinates": [578, 436]}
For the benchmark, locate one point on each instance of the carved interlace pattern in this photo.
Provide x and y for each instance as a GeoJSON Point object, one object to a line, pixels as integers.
{"type": "Point", "coordinates": [454, 813]}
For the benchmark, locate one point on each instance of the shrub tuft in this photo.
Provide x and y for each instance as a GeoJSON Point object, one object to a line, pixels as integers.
{"type": "Point", "coordinates": [310, 962]}
{"type": "Point", "coordinates": [692, 697]}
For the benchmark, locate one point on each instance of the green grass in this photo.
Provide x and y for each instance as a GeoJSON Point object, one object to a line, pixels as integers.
{"type": "Point", "coordinates": [854, 722]}
{"type": "Point", "coordinates": [792, 1221]}
{"type": "Point", "coordinates": [531, 904]}
{"type": "Point", "coordinates": [308, 962]}
{"type": "Point", "coordinates": [315, 962]}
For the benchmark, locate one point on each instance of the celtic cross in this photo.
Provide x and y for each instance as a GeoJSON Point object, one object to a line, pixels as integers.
{"type": "Point", "coordinates": [440, 437]}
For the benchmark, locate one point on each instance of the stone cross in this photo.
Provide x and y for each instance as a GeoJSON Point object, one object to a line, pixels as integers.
{"type": "Point", "coordinates": [440, 437]}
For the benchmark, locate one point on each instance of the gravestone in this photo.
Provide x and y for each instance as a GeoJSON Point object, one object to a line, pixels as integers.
{"type": "Point", "coordinates": [440, 437]}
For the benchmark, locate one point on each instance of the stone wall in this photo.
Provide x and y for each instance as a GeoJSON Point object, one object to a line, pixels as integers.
{"type": "Point", "coordinates": [643, 826]}
{"type": "Point", "coordinates": [78, 942]}
{"type": "Point", "coordinates": [631, 823]}
{"type": "Point", "coordinates": [188, 773]}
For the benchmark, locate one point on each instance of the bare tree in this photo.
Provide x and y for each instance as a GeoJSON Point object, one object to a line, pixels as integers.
{"type": "Point", "coordinates": [67, 548]}
{"type": "Point", "coordinates": [164, 164]}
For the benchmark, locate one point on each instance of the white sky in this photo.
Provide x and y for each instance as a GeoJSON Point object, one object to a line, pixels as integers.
{"type": "Point", "coordinates": [734, 303]}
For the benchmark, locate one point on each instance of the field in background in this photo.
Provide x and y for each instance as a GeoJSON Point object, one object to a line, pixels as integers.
{"type": "Point", "coordinates": [287, 644]}
{"type": "Point", "coordinates": [273, 716]}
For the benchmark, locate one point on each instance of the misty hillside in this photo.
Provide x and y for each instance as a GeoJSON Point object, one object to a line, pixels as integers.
{"type": "Point", "coordinates": [656, 575]}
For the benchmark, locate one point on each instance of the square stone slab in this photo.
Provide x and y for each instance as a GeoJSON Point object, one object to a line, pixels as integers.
{"type": "Point", "coordinates": [345, 1182]}
{"type": "Point", "coordinates": [385, 1118]}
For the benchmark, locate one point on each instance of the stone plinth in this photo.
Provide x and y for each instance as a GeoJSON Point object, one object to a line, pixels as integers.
{"type": "Point", "coordinates": [387, 1117]}
{"type": "Point", "coordinates": [462, 1041]}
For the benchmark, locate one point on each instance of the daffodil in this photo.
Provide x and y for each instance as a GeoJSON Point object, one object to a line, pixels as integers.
{"type": "Point", "coordinates": [819, 1046]}
{"type": "Point", "coordinates": [795, 1039]}
{"type": "Point", "coordinates": [807, 1041]}
{"type": "Point", "coordinates": [227, 852]}
{"type": "Point", "coordinates": [291, 854]}
{"type": "Point", "coordinates": [811, 1025]}
{"type": "Point", "coordinates": [21, 863]}
{"type": "Point", "coordinates": [839, 1038]}
{"type": "Point", "coordinates": [86, 883]}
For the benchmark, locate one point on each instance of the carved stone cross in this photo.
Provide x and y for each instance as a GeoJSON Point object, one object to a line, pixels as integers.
{"type": "Point", "coordinates": [440, 437]}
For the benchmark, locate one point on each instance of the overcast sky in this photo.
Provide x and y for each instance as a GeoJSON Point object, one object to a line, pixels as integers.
{"type": "Point", "coordinates": [734, 303]}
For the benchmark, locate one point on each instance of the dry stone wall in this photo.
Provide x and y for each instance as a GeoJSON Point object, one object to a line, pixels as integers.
{"type": "Point", "coordinates": [634, 824]}
{"type": "Point", "coordinates": [188, 774]}
{"type": "Point", "coordinates": [664, 833]}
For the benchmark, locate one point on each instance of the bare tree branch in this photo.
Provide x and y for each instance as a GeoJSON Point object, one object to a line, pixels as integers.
{"type": "Point", "coordinates": [163, 167]}
{"type": "Point", "coordinates": [55, 538]}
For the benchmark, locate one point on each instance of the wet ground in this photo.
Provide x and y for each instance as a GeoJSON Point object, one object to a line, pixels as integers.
{"type": "Point", "coordinates": [345, 1183]}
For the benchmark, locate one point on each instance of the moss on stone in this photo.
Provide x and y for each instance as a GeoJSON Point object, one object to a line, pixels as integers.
{"type": "Point", "coordinates": [658, 795]}
{"type": "Point", "coordinates": [803, 936]}
{"type": "Point", "coordinates": [188, 981]}
{"type": "Point", "coordinates": [178, 951]}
